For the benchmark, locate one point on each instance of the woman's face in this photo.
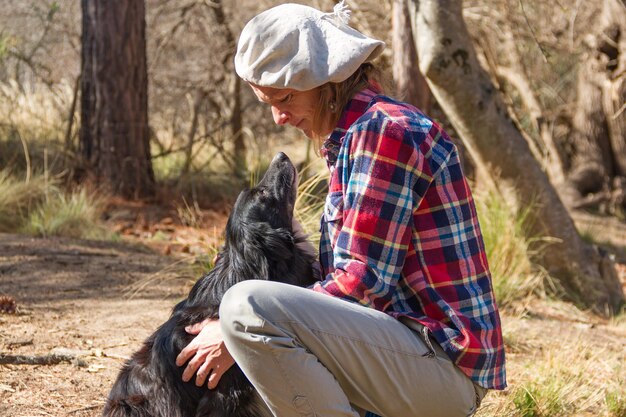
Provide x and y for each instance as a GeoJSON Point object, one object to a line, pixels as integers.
{"type": "Point", "coordinates": [296, 108]}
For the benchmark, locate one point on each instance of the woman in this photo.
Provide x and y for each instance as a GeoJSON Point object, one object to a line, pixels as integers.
{"type": "Point", "coordinates": [405, 322]}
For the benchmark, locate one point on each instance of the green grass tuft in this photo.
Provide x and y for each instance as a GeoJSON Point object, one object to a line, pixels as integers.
{"type": "Point", "coordinates": [616, 403]}
{"type": "Point", "coordinates": [76, 214]}
{"type": "Point", "coordinates": [515, 278]}
{"type": "Point", "coordinates": [538, 400]}
{"type": "Point", "coordinates": [39, 207]}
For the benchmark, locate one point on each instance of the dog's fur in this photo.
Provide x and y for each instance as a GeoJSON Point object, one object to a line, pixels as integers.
{"type": "Point", "coordinates": [260, 243]}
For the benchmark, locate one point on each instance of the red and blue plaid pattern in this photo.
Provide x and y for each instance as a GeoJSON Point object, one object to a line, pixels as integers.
{"type": "Point", "coordinates": [400, 233]}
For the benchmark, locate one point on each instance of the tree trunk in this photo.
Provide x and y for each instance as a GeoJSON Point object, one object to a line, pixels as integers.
{"type": "Point", "coordinates": [598, 169]}
{"type": "Point", "coordinates": [469, 99]}
{"type": "Point", "coordinates": [591, 165]}
{"type": "Point", "coordinates": [236, 121]}
{"type": "Point", "coordinates": [114, 134]}
{"type": "Point", "coordinates": [87, 132]}
{"type": "Point", "coordinates": [613, 46]}
{"type": "Point", "coordinates": [409, 81]}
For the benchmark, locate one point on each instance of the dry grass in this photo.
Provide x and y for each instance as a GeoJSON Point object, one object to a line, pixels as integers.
{"type": "Point", "coordinates": [39, 113]}
{"type": "Point", "coordinates": [562, 362]}
{"type": "Point", "coordinates": [515, 278]}
{"type": "Point", "coordinates": [37, 206]}
{"type": "Point", "coordinates": [33, 127]}
{"type": "Point", "coordinates": [18, 198]}
{"type": "Point", "coordinates": [310, 203]}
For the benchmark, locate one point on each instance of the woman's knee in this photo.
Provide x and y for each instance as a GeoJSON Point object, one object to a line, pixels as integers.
{"type": "Point", "coordinates": [244, 306]}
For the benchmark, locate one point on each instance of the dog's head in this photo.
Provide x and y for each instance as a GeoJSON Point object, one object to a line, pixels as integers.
{"type": "Point", "coordinates": [260, 242]}
{"type": "Point", "coordinates": [260, 225]}
{"type": "Point", "coordinates": [271, 202]}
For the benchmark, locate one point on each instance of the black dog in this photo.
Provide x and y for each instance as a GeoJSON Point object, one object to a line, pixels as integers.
{"type": "Point", "coordinates": [260, 243]}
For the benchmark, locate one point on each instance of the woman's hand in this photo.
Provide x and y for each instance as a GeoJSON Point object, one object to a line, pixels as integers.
{"type": "Point", "coordinates": [207, 352]}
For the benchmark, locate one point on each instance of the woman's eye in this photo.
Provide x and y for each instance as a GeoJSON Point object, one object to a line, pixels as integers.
{"type": "Point", "coordinates": [287, 98]}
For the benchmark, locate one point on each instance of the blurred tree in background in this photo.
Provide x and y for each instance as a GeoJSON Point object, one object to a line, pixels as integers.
{"type": "Point", "coordinates": [114, 136]}
{"type": "Point", "coordinates": [596, 175]}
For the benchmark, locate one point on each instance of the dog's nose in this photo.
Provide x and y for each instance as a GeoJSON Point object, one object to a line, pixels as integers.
{"type": "Point", "coordinates": [280, 156]}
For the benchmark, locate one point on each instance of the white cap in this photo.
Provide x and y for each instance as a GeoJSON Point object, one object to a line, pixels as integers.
{"type": "Point", "coordinates": [299, 47]}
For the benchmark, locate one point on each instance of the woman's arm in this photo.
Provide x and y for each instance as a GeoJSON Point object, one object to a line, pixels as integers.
{"type": "Point", "coordinates": [382, 175]}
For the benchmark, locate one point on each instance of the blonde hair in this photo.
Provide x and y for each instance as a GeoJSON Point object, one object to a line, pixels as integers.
{"type": "Point", "coordinates": [334, 97]}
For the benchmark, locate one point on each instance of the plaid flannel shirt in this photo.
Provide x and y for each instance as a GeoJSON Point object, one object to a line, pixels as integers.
{"type": "Point", "coordinates": [399, 232]}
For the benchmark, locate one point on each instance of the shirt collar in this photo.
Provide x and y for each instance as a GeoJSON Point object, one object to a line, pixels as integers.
{"type": "Point", "coordinates": [355, 108]}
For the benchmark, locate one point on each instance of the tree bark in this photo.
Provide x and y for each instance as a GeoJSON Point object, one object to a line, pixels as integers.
{"type": "Point", "coordinates": [114, 134]}
{"type": "Point", "coordinates": [598, 168]}
{"type": "Point", "coordinates": [236, 123]}
{"type": "Point", "coordinates": [236, 120]}
{"type": "Point", "coordinates": [410, 84]}
{"type": "Point", "coordinates": [613, 46]}
{"type": "Point", "coordinates": [591, 166]}
{"type": "Point", "coordinates": [469, 99]}
{"type": "Point", "coordinates": [88, 133]}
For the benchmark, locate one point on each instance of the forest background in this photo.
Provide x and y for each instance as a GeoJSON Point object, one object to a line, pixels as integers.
{"type": "Point", "coordinates": [126, 123]}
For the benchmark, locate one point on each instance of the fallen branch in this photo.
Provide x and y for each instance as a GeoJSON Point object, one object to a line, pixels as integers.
{"type": "Point", "coordinates": [50, 359]}
{"type": "Point", "coordinates": [591, 200]}
{"type": "Point", "coordinates": [16, 343]}
{"type": "Point", "coordinates": [90, 407]}
{"type": "Point", "coordinates": [114, 356]}
{"type": "Point", "coordinates": [57, 356]}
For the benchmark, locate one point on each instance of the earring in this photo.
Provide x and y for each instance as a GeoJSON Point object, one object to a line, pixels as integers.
{"type": "Point", "coordinates": [332, 106]}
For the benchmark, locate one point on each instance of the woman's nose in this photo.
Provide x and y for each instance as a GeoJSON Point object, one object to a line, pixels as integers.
{"type": "Point", "coordinates": [280, 117]}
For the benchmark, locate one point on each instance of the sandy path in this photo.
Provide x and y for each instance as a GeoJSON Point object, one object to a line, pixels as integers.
{"type": "Point", "coordinates": [74, 295]}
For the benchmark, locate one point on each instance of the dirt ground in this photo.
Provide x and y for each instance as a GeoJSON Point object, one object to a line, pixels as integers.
{"type": "Point", "coordinates": [96, 301]}
{"type": "Point", "coordinates": [76, 297]}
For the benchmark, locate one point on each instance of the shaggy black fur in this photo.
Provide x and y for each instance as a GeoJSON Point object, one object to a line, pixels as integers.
{"type": "Point", "coordinates": [260, 243]}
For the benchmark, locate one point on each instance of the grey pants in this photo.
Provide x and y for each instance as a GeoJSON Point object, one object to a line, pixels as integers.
{"type": "Point", "coordinates": [309, 354]}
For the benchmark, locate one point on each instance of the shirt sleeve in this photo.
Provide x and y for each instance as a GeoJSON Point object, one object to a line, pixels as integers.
{"type": "Point", "coordinates": [381, 169]}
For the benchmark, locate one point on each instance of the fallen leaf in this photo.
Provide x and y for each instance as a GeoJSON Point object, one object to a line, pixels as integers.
{"type": "Point", "coordinates": [93, 368]}
{"type": "Point", "coordinates": [6, 388]}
